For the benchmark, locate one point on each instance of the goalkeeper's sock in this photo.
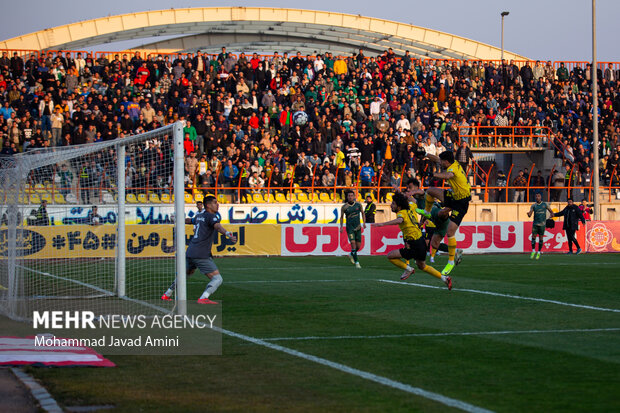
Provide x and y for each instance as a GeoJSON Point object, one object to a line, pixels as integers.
{"type": "Point", "coordinates": [451, 249]}
{"type": "Point", "coordinates": [171, 289]}
{"type": "Point", "coordinates": [430, 270]}
{"type": "Point", "coordinates": [354, 255]}
{"type": "Point", "coordinates": [443, 247]}
{"type": "Point", "coordinates": [428, 203]}
{"type": "Point", "coordinates": [533, 244]}
{"type": "Point", "coordinates": [401, 264]}
{"type": "Point", "coordinates": [540, 245]}
{"type": "Point", "coordinates": [215, 282]}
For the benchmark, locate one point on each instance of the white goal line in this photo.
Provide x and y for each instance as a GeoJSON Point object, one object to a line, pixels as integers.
{"type": "Point", "coordinates": [467, 333]}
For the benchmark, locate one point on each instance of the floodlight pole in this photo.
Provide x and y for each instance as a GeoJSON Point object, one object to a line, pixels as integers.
{"type": "Point", "coordinates": [503, 14]}
{"type": "Point", "coordinates": [597, 212]}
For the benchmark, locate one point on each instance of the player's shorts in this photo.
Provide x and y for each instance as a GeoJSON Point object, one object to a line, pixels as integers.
{"type": "Point", "coordinates": [441, 225]}
{"type": "Point", "coordinates": [459, 207]}
{"type": "Point", "coordinates": [205, 265]}
{"type": "Point", "coordinates": [414, 249]}
{"type": "Point", "coordinates": [429, 232]}
{"type": "Point", "coordinates": [538, 230]}
{"type": "Point", "coordinates": [355, 235]}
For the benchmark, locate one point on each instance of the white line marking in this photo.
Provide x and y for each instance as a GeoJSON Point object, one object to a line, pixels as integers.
{"type": "Point", "coordinates": [288, 281]}
{"type": "Point", "coordinates": [101, 290]}
{"type": "Point", "coordinates": [518, 297]}
{"type": "Point", "coordinates": [447, 401]}
{"type": "Point", "coordinates": [551, 264]}
{"type": "Point", "coordinates": [473, 333]}
{"type": "Point", "coordinates": [285, 268]}
{"type": "Point", "coordinates": [458, 404]}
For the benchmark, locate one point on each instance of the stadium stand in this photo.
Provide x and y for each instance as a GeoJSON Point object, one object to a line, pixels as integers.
{"type": "Point", "coordinates": [298, 114]}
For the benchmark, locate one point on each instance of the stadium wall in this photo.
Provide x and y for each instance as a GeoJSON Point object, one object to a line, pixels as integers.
{"type": "Point", "coordinates": [87, 241]}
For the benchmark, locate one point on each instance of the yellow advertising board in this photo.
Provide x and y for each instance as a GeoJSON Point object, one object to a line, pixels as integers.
{"type": "Point", "coordinates": [86, 241]}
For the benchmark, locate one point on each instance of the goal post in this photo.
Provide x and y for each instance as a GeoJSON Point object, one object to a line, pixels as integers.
{"type": "Point", "coordinates": [101, 222]}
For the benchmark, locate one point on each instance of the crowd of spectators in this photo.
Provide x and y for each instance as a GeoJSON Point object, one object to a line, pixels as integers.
{"type": "Point", "coordinates": [368, 118]}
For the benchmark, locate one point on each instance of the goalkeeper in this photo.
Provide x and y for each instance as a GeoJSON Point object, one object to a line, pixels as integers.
{"type": "Point", "coordinates": [198, 254]}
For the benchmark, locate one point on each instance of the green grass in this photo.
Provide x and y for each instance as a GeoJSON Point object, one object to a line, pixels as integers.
{"type": "Point", "coordinates": [513, 372]}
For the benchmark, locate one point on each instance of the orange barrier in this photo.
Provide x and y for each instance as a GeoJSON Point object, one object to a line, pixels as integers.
{"type": "Point", "coordinates": [507, 136]}
{"type": "Point", "coordinates": [54, 193]}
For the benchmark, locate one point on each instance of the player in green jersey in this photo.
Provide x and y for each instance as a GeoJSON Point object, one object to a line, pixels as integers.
{"type": "Point", "coordinates": [352, 210]}
{"type": "Point", "coordinates": [539, 209]}
{"type": "Point", "coordinates": [439, 216]}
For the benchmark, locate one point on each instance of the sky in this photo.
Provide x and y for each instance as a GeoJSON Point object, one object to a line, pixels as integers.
{"type": "Point", "coordinates": [537, 29]}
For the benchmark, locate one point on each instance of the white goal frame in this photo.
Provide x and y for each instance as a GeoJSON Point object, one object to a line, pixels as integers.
{"type": "Point", "coordinates": [14, 172]}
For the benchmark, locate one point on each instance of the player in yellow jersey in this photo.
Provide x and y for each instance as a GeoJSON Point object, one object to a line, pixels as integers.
{"type": "Point", "coordinates": [415, 246]}
{"type": "Point", "coordinates": [456, 199]}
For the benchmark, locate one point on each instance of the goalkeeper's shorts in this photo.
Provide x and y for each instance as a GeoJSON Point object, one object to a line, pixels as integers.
{"type": "Point", "coordinates": [205, 265]}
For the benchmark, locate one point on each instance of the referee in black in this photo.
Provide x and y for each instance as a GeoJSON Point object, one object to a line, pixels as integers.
{"type": "Point", "coordinates": [572, 215]}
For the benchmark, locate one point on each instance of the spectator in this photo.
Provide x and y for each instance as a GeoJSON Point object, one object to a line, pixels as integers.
{"type": "Point", "coordinates": [538, 183]}
{"type": "Point", "coordinates": [42, 219]}
{"type": "Point", "coordinates": [586, 209]}
{"type": "Point", "coordinates": [464, 155]}
{"type": "Point", "coordinates": [93, 217]}
{"type": "Point", "coordinates": [520, 182]}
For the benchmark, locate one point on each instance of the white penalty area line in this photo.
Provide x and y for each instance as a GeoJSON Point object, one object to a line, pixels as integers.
{"type": "Point", "coordinates": [447, 401]}
{"type": "Point", "coordinates": [290, 281]}
{"type": "Point", "coordinates": [284, 268]}
{"type": "Point", "coordinates": [517, 297]}
{"type": "Point", "coordinates": [472, 333]}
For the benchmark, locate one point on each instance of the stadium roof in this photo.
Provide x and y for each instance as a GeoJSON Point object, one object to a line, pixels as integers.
{"type": "Point", "coordinates": [257, 29]}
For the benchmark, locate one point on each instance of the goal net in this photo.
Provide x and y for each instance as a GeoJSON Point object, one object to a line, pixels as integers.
{"type": "Point", "coordinates": [95, 225]}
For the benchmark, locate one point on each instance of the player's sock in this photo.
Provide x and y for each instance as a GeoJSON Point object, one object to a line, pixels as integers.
{"type": "Point", "coordinates": [533, 244]}
{"type": "Point", "coordinates": [428, 203]}
{"type": "Point", "coordinates": [170, 289]}
{"type": "Point", "coordinates": [430, 270]}
{"type": "Point", "coordinates": [354, 254]}
{"type": "Point", "coordinates": [443, 247]}
{"type": "Point", "coordinates": [433, 252]}
{"type": "Point", "coordinates": [400, 263]}
{"type": "Point", "coordinates": [215, 282]}
{"type": "Point", "coordinates": [451, 249]}
{"type": "Point", "coordinates": [540, 245]}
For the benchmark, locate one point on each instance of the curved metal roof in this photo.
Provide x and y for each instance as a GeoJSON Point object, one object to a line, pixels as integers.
{"type": "Point", "coordinates": [258, 29]}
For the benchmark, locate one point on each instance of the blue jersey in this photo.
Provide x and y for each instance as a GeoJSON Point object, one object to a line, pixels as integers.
{"type": "Point", "coordinates": [204, 232]}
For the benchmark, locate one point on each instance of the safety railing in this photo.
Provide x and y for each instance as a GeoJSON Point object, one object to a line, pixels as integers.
{"type": "Point", "coordinates": [502, 137]}
{"type": "Point", "coordinates": [485, 188]}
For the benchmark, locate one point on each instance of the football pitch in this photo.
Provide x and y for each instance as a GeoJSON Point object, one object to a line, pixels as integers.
{"type": "Point", "coordinates": [316, 334]}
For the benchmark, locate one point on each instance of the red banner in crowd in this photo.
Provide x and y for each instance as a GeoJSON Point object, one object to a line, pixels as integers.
{"type": "Point", "coordinates": [603, 236]}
